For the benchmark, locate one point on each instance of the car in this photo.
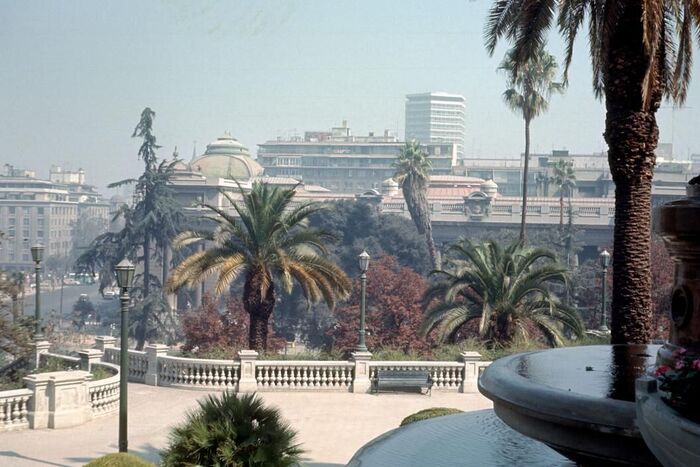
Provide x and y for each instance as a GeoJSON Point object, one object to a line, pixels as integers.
{"type": "Point", "coordinates": [109, 294]}
{"type": "Point", "coordinates": [83, 298]}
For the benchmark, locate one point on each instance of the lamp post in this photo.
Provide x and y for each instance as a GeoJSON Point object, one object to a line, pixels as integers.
{"type": "Point", "coordinates": [125, 278]}
{"type": "Point", "coordinates": [604, 262]}
{"type": "Point", "coordinates": [364, 265]}
{"type": "Point", "coordinates": [37, 256]}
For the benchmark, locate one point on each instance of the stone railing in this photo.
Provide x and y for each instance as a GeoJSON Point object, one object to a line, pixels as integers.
{"type": "Point", "coordinates": [248, 374]}
{"type": "Point", "coordinates": [104, 393]}
{"type": "Point", "coordinates": [72, 362]}
{"type": "Point", "coordinates": [285, 375]}
{"type": "Point", "coordinates": [198, 374]}
{"type": "Point", "coordinates": [138, 362]}
{"type": "Point", "coordinates": [14, 407]}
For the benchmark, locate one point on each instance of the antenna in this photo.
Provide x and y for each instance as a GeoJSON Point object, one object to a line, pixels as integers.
{"type": "Point", "coordinates": [194, 150]}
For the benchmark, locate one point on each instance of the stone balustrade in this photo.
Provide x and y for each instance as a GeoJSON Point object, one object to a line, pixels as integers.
{"type": "Point", "coordinates": [14, 407]}
{"type": "Point", "coordinates": [447, 376]}
{"type": "Point", "coordinates": [197, 373]}
{"type": "Point", "coordinates": [104, 393]}
{"type": "Point", "coordinates": [138, 362]}
{"type": "Point", "coordinates": [289, 375]}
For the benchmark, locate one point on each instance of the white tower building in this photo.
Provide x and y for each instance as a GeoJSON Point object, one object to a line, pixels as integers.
{"type": "Point", "coordinates": [436, 117]}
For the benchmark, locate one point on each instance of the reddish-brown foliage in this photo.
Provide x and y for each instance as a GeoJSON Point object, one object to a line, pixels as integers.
{"type": "Point", "coordinates": [209, 329]}
{"type": "Point", "coordinates": [394, 311]}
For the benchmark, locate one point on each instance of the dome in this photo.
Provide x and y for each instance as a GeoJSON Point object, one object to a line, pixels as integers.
{"type": "Point", "coordinates": [390, 182]}
{"type": "Point", "coordinates": [489, 188]}
{"type": "Point", "coordinates": [390, 187]}
{"type": "Point", "coordinates": [227, 158]}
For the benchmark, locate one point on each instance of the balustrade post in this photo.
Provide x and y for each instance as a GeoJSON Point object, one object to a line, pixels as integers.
{"type": "Point", "coordinates": [361, 382]}
{"type": "Point", "coordinates": [102, 342]}
{"type": "Point", "coordinates": [88, 357]}
{"type": "Point", "coordinates": [153, 351]}
{"type": "Point", "coordinates": [471, 371]}
{"type": "Point", "coordinates": [39, 347]}
{"type": "Point", "coordinates": [247, 381]}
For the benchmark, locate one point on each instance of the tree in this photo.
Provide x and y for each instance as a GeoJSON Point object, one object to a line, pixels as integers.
{"type": "Point", "coordinates": [506, 289]}
{"type": "Point", "coordinates": [640, 52]}
{"type": "Point", "coordinates": [394, 310]}
{"type": "Point", "coordinates": [530, 84]}
{"type": "Point", "coordinates": [83, 309]}
{"type": "Point", "coordinates": [12, 285]}
{"type": "Point", "coordinates": [413, 173]}
{"type": "Point", "coordinates": [270, 245]}
{"type": "Point", "coordinates": [564, 178]}
{"type": "Point", "coordinates": [232, 430]}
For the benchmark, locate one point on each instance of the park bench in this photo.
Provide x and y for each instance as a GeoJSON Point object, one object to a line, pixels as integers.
{"type": "Point", "coordinates": [403, 379]}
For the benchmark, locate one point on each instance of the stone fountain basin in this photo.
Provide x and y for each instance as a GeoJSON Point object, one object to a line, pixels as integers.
{"type": "Point", "coordinates": [577, 400]}
{"type": "Point", "coordinates": [674, 440]}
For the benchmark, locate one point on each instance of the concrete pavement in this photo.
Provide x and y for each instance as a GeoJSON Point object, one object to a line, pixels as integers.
{"type": "Point", "coordinates": [331, 426]}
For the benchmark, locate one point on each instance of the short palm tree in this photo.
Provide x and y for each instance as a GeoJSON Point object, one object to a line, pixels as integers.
{"type": "Point", "coordinates": [270, 242]}
{"type": "Point", "coordinates": [232, 430]}
{"type": "Point", "coordinates": [640, 52]}
{"type": "Point", "coordinates": [413, 174]}
{"type": "Point", "coordinates": [506, 290]}
{"type": "Point", "coordinates": [564, 178]}
{"type": "Point", "coordinates": [529, 87]}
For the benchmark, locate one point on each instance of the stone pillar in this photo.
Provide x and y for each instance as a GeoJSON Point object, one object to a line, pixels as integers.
{"type": "Point", "coordinates": [39, 347]}
{"type": "Point", "coordinates": [88, 357]}
{"type": "Point", "coordinates": [102, 342]}
{"type": "Point", "coordinates": [60, 399]}
{"type": "Point", "coordinates": [361, 382]}
{"type": "Point", "coordinates": [153, 351]}
{"type": "Point", "coordinates": [247, 381]}
{"type": "Point", "coordinates": [471, 371]}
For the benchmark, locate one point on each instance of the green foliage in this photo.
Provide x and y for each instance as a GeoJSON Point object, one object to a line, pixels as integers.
{"type": "Point", "coordinates": [507, 291]}
{"type": "Point", "coordinates": [120, 459]}
{"type": "Point", "coordinates": [425, 414]}
{"type": "Point", "coordinates": [271, 243]}
{"type": "Point", "coordinates": [83, 309]}
{"type": "Point", "coordinates": [232, 430]}
{"type": "Point", "coordinates": [100, 372]}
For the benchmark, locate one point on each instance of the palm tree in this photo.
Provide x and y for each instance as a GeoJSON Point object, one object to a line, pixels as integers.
{"type": "Point", "coordinates": [506, 290]}
{"type": "Point", "coordinates": [564, 178]}
{"type": "Point", "coordinates": [413, 173]}
{"type": "Point", "coordinates": [529, 87]}
{"type": "Point", "coordinates": [270, 244]}
{"type": "Point", "coordinates": [640, 52]}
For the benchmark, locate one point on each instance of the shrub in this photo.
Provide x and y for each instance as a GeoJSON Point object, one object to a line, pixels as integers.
{"type": "Point", "coordinates": [429, 413]}
{"type": "Point", "coordinates": [120, 459]}
{"type": "Point", "coordinates": [234, 430]}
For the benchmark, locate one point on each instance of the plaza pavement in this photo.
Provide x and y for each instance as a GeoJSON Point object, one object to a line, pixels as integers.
{"type": "Point", "coordinates": [331, 426]}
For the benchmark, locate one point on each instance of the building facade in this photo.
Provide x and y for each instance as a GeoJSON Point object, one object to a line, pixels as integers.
{"type": "Point", "coordinates": [36, 211]}
{"type": "Point", "coordinates": [436, 117]}
{"type": "Point", "coordinates": [341, 162]}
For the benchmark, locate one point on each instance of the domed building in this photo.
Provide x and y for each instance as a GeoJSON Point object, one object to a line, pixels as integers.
{"type": "Point", "coordinates": [227, 158]}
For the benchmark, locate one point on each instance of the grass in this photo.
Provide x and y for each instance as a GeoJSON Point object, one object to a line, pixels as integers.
{"type": "Point", "coordinates": [99, 372]}
{"type": "Point", "coordinates": [425, 414]}
{"type": "Point", "coordinates": [120, 459]}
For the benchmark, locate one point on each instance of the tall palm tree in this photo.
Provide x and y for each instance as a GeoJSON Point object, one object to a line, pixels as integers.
{"type": "Point", "coordinates": [563, 177]}
{"type": "Point", "coordinates": [506, 290]}
{"type": "Point", "coordinates": [413, 174]}
{"type": "Point", "coordinates": [640, 52]}
{"type": "Point", "coordinates": [269, 244]}
{"type": "Point", "coordinates": [530, 86]}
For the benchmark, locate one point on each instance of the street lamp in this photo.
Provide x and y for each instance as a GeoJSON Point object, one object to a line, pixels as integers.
{"type": "Point", "coordinates": [37, 256]}
{"type": "Point", "coordinates": [363, 259]}
{"type": "Point", "coordinates": [125, 278]}
{"type": "Point", "coordinates": [604, 263]}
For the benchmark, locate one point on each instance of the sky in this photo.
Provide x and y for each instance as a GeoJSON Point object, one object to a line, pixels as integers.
{"type": "Point", "coordinates": [75, 76]}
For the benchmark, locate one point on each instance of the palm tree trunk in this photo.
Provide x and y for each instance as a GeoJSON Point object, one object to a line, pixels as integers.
{"type": "Point", "coordinates": [419, 209]}
{"type": "Point", "coordinates": [526, 166]}
{"type": "Point", "coordinates": [632, 135]}
{"type": "Point", "coordinates": [259, 309]}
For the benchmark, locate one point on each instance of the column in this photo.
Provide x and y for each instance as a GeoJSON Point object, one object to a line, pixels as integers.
{"type": "Point", "coordinates": [102, 342]}
{"type": "Point", "coordinates": [39, 347]}
{"type": "Point", "coordinates": [247, 381]}
{"type": "Point", "coordinates": [88, 357]}
{"type": "Point", "coordinates": [361, 382]}
{"type": "Point", "coordinates": [471, 371]}
{"type": "Point", "coordinates": [153, 351]}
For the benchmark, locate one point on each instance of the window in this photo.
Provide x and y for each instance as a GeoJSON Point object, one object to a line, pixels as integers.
{"type": "Point", "coordinates": [40, 211]}
{"type": "Point", "coordinates": [25, 221]}
{"type": "Point", "coordinates": [40, 234]}
{"type": "Point", "coordinates": [12, 210]}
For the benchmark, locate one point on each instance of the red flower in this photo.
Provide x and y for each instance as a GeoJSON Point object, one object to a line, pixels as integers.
{"type": "Point", "coordinates": [680, 364]}
{"type": "Point", "coordinates": [662, 370]}
{"type": "Point", "coordinates": [679, 352]}
{"type": "Point", "coordinates": [696, 364]}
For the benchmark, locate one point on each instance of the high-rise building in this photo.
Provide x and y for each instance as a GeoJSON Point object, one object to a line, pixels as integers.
{"type": "Point", "coordinates": [436, 117]}
{"type": "Point", "coordinates": [342, 162]}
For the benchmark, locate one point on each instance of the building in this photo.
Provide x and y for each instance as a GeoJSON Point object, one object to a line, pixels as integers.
{"type": "Point", "coordinates": [436, 117]}
{"type": "Point", "coordinates": [341, 162]}
{"type": "Point", "coordinates": [36, 211]}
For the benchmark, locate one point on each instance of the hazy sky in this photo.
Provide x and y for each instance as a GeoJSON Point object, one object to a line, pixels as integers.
{"type": "Point", "coordinates": [75, 75]}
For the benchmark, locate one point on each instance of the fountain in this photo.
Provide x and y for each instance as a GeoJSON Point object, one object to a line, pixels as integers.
{"type": "Point", "coordinates": [673, 438]}
{"type": "Point", "coordinates": [580, 401]}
